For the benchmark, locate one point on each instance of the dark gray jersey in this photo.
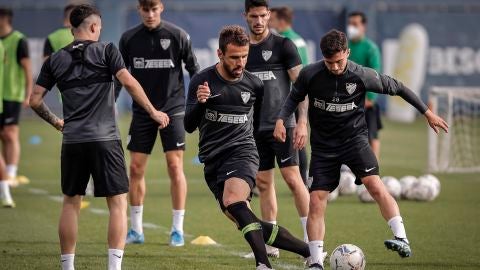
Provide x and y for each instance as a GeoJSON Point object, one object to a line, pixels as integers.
{"type": "Point", "coordinates": [336, 103]}
{"type": "Point", "coordinates": [270, 60]}
{"type": "Point", "coordinates": [87, 90]}
{"type": "Point", "coordinates": [227, 118]}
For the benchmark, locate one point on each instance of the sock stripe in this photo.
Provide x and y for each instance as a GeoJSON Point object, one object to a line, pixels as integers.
{"type": "Point", "coordinates": [273, 235]}
{"type": "Point", "coordinates": [251, 227]}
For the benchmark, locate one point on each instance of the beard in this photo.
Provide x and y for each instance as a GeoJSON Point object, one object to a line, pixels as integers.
{"type": "Point", "coordinates": [233, 72]}
{"type": "Point", "coordinates": [257, 31]}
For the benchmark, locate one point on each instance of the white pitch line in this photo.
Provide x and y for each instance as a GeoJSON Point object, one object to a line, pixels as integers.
{"type": "Point", "coordinates": [56, 198]}
{"type": "Point", "coordinates": [99, 211]}
{"type": "Point", "coordinates": [37, 191]}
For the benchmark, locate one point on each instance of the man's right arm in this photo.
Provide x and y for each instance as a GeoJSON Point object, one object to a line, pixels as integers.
{"type": "Point", "coordinates": [194, 110]}
{"type": "Point", "coordinates": [123, 51]}
{"type": "Point", "coordinates": [45, 82]}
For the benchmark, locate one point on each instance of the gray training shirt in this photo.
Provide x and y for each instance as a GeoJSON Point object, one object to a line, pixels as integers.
{"type": "Point", "coordinates": [87, 89]}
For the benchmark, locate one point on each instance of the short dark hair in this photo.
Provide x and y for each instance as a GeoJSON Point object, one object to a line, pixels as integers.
{"type": "Point", "coordinates": [284, 13]}
{"type": "Point", "coordinates": [6, 12]}
{"type": "Point", "coordinates": [149, 3]}
{"type": "Point", "coordinates": [255, 3]}
{"type": "Point", "coordinates": [333, 42]}
{"type": "Point", "coordinates": [81, 12]}
{"type": "Point", "coordinates": [358, 13]}
{"type": "Point", "coordinates": [67, 9]}
{"type": "Point", "coordinates": [232, 34]}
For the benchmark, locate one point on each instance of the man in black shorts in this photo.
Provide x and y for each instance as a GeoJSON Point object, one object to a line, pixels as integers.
{"type": "Point", "coordinates": [224, 102]}
{"type": "Point", "coordinates": [336, 92]}
{"type": "Point", "coordinates": [275, 60]}
{"type": "Point", "coordinates": [83, 73]}
{"type": "Point", "coordinates": [154, 52]}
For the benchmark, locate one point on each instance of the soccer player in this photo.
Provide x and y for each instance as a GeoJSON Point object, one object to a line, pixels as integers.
{"type": "Point", "coordinates": [5, 195]}
{"type": "Point", "coordinates": [275, 60]}
{"type": "Point", "coordinates": [281, 19]}
{"type": "Point", "coordinates": [91, 145]}
{"type": "Point", "coordinates": [60, 37]}
{"type": "Point", "coordinates": [336, 92]}
{"type": "Point", "coordinates": [365, 52]}
{"type": "Point", "coordinates": [224, 103]}
{"type": "Point", "coordinates": [17, 87]}
{"type": "Point", "coordinates": [154, 52]}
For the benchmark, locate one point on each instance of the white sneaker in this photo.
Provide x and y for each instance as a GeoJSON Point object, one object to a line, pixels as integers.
{"type": "Point", "coordinates": [272, 252]}
{"type": "Point", "coordinates": [263, 267]}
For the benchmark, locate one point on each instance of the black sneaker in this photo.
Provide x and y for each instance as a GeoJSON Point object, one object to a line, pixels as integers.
{"type": "Point", "coordinates": [400, 245]}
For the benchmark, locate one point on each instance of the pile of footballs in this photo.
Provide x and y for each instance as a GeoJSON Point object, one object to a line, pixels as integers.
{"type": "Point", "coordinates": [423, 188]}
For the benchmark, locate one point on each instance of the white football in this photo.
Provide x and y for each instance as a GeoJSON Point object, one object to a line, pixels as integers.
{"type": "Point", "coordinates": [363, 194]}
{"type": "Point", "coordinates": [347, 257]}
{"type": "Point", "coordinates": [422, 190]}
{"type": "Point", "coordinates": [332, 196]}
{"type": "Point", "coordinates": [436, 183]}
{"type": "Point", "coordinates": [393, 186]}
{"type": "Point", "coordinates": [347, 183]}
{"type": "Point", "coordinates": [406, 183]}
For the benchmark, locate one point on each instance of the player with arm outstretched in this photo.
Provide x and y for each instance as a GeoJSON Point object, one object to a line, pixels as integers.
{"type": "Point", "coordinates": [224, 102]}
{"type": "Point", "coordinates": [336, 90]}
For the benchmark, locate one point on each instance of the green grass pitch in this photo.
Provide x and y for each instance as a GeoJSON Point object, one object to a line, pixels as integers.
{"type": "Point", "coordinates": [445, 234]}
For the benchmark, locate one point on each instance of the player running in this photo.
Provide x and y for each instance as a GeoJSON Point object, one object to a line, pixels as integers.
{"type": "Point", "coordinates": [154, 52]}
{"type": "Point", "coordinates": [224, 102]}
{"type": "Point", "coordinates": [83, 72]}
{"type": "Point", "coordinates": [17, 87]}
{"type": "Point", "coordinates": [275, 60]}
{"type": "Point", "coordinates": [336, 92]}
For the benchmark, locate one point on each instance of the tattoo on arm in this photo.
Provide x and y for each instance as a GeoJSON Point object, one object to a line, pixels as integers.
{"type": "Point", "coordinates": [44, 112]}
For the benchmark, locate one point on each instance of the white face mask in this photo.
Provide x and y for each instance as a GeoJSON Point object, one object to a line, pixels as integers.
{"type": "Point", "coordinates": [353, 32]}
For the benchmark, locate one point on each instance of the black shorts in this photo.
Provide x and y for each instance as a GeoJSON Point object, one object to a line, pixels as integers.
{"type": "Point", "coordinates": [11, 113]}
{"type": "Point", "coordinates": [239, 161]}
{"type": "Point", "coordinates": [324, 173]}
{"type": "Point", "coordinates": [269, 148]}
{"type": "Point", "coordinates": [143, 133]}
{"type": "Point", "coordinates": [374, 121]}
{"type": "Point", "coordinates": [104, 161]}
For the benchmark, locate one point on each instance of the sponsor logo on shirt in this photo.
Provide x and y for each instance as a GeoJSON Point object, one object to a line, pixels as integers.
{"type": "Point", "coordinates": [351, 87]}
{"type": "Point", "coordinates": [165, 43]}
{"type": "Point", "coordinates": [266, 55]}
{"type": "Point", "coordinates": [142, 63]}
{"type": "Point", "coordinates": [215, 116]}
{"type": "Point", "coordinates": [333, 107]}
{"type": "Point", "coordinates": [265, 75]}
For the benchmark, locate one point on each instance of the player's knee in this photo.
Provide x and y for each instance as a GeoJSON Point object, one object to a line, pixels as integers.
{"type": "Point", "coordinates": [174, 167]}
{"type": "Point", "coordinates": [263, 185]}
{"type": "Point", "coordinates": [137, 171]}
{"type": "Point", "coordinates": [377, 190]}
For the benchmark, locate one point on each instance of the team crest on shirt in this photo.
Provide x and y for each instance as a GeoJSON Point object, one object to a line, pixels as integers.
{"type": "Point", "coordinates": [245, 97]}
{"type": "Point", "coordinates": [351, 87]}
{"type": "Point", "coordinates": [266, 55]}
{"type": "Point", "coordinates": [165, 43]}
